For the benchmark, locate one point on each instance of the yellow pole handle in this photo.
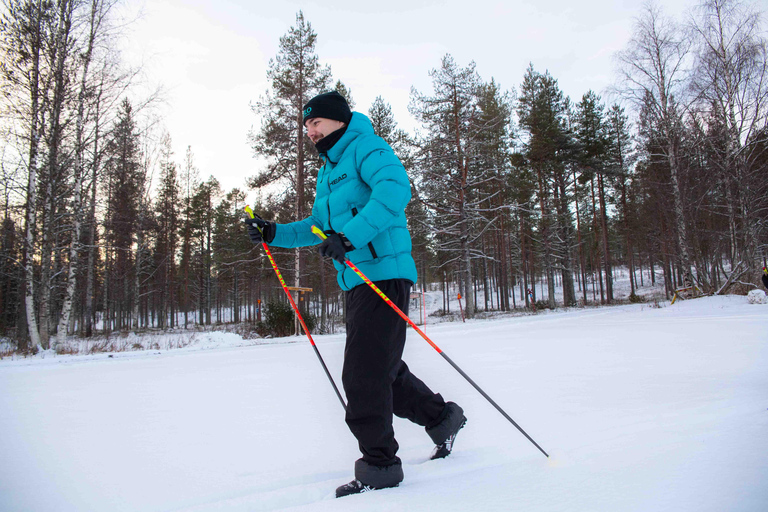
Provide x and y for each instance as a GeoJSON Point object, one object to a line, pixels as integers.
{"type": "Point", "coordinates": [319, 232]}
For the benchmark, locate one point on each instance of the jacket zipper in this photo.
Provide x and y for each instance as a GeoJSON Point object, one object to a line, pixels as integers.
{"type": "Point", "coordinates": [370, 244]}
{"type": "Point", "coordinates": [328, 182]}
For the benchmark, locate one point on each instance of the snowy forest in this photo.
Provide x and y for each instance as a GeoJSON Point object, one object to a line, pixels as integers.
{"type": "Point", "coordinates": [515, 188]}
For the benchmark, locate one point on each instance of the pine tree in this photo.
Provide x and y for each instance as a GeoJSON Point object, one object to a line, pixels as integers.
{"type": "Point", "coordinates": [655, 192]}
{"type": "Point", "coordinates": [385, 126]}
{"type": "Point", "coordinates": [449, 180]}
{"type": "Point", "coordinates": [11, 276]}
{"type": "Point", "coordinates": [125, 184]}
{"type": "Point", "coordinates": [230, 247]}
{"type": "Point", "coordinates": [382, 120]}
{"type": "Point", "coordinates": [202, 220]}
{"type": "Point", "coordinates": [493, 155]}
{"type": "Point", "coordinates": [620, 156]}
{"type": "Point", "coordinates": [189, 183]}
{"type": "Point", "coordinates": [592, 136]}
{"type": "Point", "coordinates": [296, 76]}
{"type": "Point", "coordinates": [543, 115]}
{"type": "Point", "coordinates": [346, 92]}
{"type": "Point", "coordinates": [166, 211]}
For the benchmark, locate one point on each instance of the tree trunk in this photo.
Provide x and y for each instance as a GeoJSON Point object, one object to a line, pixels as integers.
{"type": "Point", "coordinates": [74, 248]}
{"type": "Point", "coordinates": [31, 206]}
{"type": "Point", "coordinates": [466, 257]}
{"type": "Point", "coordinates": [580, 252]}
{"type": "Point", "coordinates": [55, 134]}
{"type": "Point", "coordinates": [298, 263]}
{"type": "Point", "coordinates": [595, 224]}
{"type": "Point", "coordinates": [91, 277]}
{"type": "Point", "coordinates": [139, 259]}
{"type": "Point", "coordinates": [606, 247]}
{"type": "Point", "coordinates": [682, 231]}
{"type": "Point", "coordinates": [566, 230]}
{"type": "Point", "coordinates": [627, 239]}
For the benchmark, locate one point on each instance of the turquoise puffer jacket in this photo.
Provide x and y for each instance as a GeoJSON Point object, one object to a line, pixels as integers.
{"type": "Point", "coordinates": [362, 191]}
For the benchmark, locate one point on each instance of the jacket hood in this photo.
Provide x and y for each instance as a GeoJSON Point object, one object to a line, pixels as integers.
{"type": "Point", "coordinates": [358, 125]}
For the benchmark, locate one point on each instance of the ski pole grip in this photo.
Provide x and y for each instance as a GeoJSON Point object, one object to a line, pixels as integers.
{"type": "Point", "coordinates": [250, 214]}
{"type": "Point", "coordinates": [319, 232]}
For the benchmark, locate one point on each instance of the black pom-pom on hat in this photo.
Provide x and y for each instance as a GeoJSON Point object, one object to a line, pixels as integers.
{"type": "Point", "coordinates": [330, 105]}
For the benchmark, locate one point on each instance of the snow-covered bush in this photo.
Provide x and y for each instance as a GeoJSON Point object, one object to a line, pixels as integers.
{"type": "Point", "coordinates": [757, 297]}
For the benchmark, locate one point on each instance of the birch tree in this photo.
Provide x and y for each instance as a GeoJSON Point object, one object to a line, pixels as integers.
{"type": "Point", "coordinates": [99, 10]}
{"type": "Point", "coordinates": [654, 74]}
{"type": "Point", "coordinates": [24, 29]}
{"type": "Point", "coordinates": [731, 83]}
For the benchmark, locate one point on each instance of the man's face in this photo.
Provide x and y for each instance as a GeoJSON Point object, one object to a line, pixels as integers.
{"type": "Point", "coordinates": [319, 127]}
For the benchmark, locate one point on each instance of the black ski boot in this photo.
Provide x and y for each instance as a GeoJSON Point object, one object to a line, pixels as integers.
{"type": "Point", "coordinates": [371, 478]}
{"type": "Point", "coordinates": [444, 433]}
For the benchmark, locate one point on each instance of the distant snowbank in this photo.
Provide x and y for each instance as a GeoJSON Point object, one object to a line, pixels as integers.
{"type": "Point", "coordinates": [150, 343]}
{"type": "Point", "coordinates": [124, 345]}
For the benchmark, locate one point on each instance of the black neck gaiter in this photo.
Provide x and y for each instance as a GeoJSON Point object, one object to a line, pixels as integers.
{"type": "Point", "coordinates": [327, 142]}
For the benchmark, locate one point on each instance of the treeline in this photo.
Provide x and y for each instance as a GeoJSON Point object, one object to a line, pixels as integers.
{"type": "Point", "coordinates": [104, 230]}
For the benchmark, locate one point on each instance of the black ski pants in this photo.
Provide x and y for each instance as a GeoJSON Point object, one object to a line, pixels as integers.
{"type": "Point", "coordinates": [377, 382]}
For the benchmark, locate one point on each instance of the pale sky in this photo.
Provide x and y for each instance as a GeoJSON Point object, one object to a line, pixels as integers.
{"type": "Point", "coordinates": [212, 56]}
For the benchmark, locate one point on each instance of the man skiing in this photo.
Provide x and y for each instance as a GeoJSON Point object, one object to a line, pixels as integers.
{"type": "Point", "coordinates": [362, 192]}
{"type": "Point", "coordinates": [765, 277]}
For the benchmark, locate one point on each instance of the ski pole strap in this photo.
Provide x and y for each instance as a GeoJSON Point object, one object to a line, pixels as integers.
{"type": "Point", "coordinates": [250, 213]}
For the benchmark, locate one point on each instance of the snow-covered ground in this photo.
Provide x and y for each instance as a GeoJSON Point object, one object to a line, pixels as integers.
{"type": "Point", "coordinates": [641, 409]}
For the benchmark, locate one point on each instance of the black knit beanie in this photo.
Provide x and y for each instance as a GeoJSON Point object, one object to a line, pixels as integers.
{"type": "Point", "coordinates": [330, 105]}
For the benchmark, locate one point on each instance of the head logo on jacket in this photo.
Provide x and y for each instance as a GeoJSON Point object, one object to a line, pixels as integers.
{"type": "Point", "coordinates": [342, 177]}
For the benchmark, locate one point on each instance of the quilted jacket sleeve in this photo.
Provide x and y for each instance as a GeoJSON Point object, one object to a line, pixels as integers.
{"type": "Point", "coordinates": [297, 234]}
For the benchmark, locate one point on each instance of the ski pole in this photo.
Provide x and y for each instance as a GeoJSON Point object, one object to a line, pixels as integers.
{"type": "Point", "coordinates": [317, 231]}
{"type": "Point", "coordinates": [249, 211]}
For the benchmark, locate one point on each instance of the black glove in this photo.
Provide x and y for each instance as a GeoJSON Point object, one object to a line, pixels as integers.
{"type": "Point", "coordinates": [260, 230]}
{"type": "Point", "coordinates": [336, 246]}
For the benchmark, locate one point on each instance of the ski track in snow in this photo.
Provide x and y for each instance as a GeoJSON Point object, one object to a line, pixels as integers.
{"type": "Point", "coordinates": [641, 409]}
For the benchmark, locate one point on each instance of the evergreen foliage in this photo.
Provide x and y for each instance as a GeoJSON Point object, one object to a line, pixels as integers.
{"type": "Point", "coordinates": [514, 194]}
